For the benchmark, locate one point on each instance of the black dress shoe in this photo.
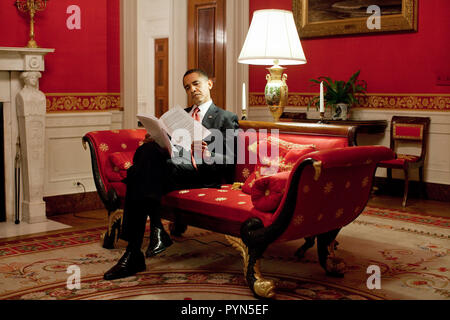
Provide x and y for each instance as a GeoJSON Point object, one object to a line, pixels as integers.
{"type": "Point", "coordinates": [130, 264]}
{"type": "Point", "coordinates": [159, 241]}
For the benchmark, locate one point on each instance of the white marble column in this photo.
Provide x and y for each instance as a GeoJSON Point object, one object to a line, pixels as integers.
{"type": "Point", "coordinates": [31, 107]}
{"type": "Point", "coordinates": [24, 117]}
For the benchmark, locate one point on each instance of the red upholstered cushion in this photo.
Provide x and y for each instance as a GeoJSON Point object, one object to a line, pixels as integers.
{"type": "Point", "coordinates": [120, 162]}
{"type": "Point", "coordinates": [270, 163]}
{"type": "Point", "coordinates": [248, 184]}
{"type": "Point", "coordinates": [247, 137]}
{"type": "Point", "coordinates": [268, 191]}
{"type": "Point", "coordinates": [292, 156]}
{"type": "Point", "coordinates": [109, 141]}
{"type": "Point", "coordinates": [408, 131]}
{"type": "Point", "coordinates": [400, 160]}
{"type": "Point", "coordinates": [225, 203]}
{"type": "Point", "coordinates": [115, 176]}
{"type": "Point", "coordinates": [121, 189]}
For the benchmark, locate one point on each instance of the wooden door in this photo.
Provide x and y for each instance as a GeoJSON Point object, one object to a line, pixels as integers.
{"type": "Point", "coordinates": [161, 76]}
{"type": "Point", "coordinates": [206, 43]}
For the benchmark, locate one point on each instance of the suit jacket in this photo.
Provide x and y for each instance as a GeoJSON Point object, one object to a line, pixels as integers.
{"type": "Point", "coordinates": [218, 120]}
{"type": "Point", "coordinates": [222, 143]}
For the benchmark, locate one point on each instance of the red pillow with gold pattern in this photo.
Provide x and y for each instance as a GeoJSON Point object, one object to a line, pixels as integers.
{"type": "Point", "coordinates": [269, 165]}
{"type": "Point", "coordinates": [290, 159]}
{"type": "Point", "coordinates": [121, 160]}
{"type": "Point", "coordinates": [268, 191]}
{"type": "Point", "coordinates": [287, 145]}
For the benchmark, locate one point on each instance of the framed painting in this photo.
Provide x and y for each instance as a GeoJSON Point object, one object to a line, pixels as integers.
{"type": "Point", "coordinates": [323, 18]}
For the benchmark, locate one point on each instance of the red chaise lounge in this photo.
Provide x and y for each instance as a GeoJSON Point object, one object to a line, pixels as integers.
{"type": "Point", "coordinates": [321, 190]}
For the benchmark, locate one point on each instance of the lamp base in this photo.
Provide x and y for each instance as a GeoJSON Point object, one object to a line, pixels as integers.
{"type": "Point", "coordinates": [276, 91]}
{"type": "Point", "coordinates": [276, 112]}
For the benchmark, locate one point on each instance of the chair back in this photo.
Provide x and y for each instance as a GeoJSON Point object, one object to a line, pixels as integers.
{"type": "Point", "coordinates": [410, 129]}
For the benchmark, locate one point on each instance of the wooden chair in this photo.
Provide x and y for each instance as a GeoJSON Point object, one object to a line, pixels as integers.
{"type": "Point", "coordinates": [407, 129]}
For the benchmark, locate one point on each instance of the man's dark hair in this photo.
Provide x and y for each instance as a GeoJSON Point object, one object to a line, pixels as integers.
{"type": "Point", "coordinates": [199, 71]}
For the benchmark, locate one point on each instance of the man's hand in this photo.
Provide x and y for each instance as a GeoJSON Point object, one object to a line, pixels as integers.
{"type": "Point", "coordinates": [148, 138]}
{"type": "Point", "coordinates": [200, 147]}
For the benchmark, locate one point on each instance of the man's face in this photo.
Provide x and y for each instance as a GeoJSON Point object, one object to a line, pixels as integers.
{"type": "Point", "coordinates": [197, 87]}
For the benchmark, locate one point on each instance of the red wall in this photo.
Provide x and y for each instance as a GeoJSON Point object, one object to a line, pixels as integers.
{"type": "Point", "coordinates": [113, 34]}
{"type": "Point", "coordinates": [390, 63]}
{"type": "Point", "coordinates": [85, 60]}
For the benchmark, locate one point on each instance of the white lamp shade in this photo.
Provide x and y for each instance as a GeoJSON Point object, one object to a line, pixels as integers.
{"type": "Point", "coordinates": [272, 35]}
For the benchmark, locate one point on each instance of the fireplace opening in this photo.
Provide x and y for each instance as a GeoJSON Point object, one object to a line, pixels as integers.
{"type": "Point", "coordinates": [2, 168]}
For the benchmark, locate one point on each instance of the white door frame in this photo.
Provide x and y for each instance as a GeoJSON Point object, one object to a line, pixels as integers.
{"type": "Point", "coordinates": [236, 30]}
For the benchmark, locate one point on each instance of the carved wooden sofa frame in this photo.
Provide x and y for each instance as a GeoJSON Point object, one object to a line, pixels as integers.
{"type": "Point", "coordinates": [308, 208]}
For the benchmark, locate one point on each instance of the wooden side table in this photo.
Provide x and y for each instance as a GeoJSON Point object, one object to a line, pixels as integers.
{"type": "Point", "coordinates": [362, 126]}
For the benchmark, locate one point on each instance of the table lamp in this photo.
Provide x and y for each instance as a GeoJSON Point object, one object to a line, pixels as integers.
{"type": "Point", "coordinates": [272, 39]}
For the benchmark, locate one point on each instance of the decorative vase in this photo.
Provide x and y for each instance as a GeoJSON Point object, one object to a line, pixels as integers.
{"type": "Point", "coordinates": [340, 111]}
{"type": "Point", "coordinates": [276, 91]}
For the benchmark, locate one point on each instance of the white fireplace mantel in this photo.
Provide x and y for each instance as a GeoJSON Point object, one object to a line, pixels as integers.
{"type": "Point", "coordinates": [23, 59]}
{"type": "Point", "coordinates": [24, 117]}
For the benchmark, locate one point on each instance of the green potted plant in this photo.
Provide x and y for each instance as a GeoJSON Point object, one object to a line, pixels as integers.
{"type": "Point", "coordinates": [339, 95]}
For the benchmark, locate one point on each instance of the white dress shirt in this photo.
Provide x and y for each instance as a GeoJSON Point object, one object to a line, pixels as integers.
{"type": "Point", "coordinates": [203, 109]}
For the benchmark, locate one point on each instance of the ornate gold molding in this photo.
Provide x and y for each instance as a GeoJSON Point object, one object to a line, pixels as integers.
{"type": "Point", "coordinates": [69, 102]}
{"type": "Point", "coordinates": [317, 170]}
{"type": "Point", "coordinates": [425, 102]}
{"type": "Point", "coordinates": [406, 20]}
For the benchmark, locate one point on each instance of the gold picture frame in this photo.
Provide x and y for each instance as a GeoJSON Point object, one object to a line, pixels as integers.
{"type": "Point", "coordinates": [318, 18]}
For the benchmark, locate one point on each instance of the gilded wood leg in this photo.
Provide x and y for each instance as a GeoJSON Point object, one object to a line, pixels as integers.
{"type": "Point", "coordinates": [111, 236]}
{"type": "Point", "coordinates": [261, 287]}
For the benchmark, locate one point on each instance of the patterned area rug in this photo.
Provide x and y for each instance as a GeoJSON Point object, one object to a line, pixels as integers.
{"type": "Point", "coordinates": [411, 250]}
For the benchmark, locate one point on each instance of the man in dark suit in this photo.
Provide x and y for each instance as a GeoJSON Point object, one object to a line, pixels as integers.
{"type": "Point", "coordinates": [154, 173]}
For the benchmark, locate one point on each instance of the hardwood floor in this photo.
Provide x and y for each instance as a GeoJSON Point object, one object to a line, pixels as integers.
{"type": "Point", "coordinates": [426, 207]}
{"type": "Point", "coordinates": [93, 218]}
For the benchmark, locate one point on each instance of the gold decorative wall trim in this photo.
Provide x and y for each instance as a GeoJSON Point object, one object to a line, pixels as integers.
{"type": "Point", "coordinates": [428, 102]}
{"type": "Point", "coordinates": [69, 102]}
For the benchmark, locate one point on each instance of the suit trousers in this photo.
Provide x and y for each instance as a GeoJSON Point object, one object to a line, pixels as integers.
{"type": "Point", "coordinates": [152, 175]}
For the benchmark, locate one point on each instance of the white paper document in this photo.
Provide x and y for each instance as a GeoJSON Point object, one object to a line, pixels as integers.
{"type": "Point", "coordinates": [177, 124]}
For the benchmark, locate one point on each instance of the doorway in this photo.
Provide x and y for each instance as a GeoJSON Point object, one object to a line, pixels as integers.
{"type": "Point", "coordinates": [207, 44]}
{"type": "Point", "coordinates": [161, 76]}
